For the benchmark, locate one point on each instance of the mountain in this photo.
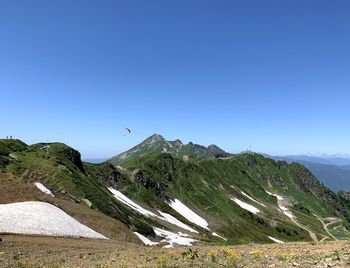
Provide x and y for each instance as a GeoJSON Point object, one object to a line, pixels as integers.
{"type": "Point", "coordinates": [157, 144]}
{"type": "Point", "coordinates": [334, 160]}
{"type": "Point", "coordinates": [163, 199]}
{"type": "Point", "coordinates": [303, 158]}
{"type": "Point", "coordinates": [335, 177]}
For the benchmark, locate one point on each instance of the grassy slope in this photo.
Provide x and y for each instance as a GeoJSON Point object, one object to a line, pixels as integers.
{"type": "Point", "coordinates": [62, 171]}
{"type": "Point", "coordinates": [203, 185]}
{"type": "Point", "coordinates": [333, 176]}
{"type": "Point", "coordinates": [206, 186]}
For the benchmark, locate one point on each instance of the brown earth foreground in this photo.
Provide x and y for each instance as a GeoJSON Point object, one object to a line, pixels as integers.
{"type": "Point", "coordinates": [30, 251]}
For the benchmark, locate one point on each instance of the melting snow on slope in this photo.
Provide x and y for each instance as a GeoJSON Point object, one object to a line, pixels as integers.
{"type": "Point", "coordinates": [39, 218]}
{"type": "Point", "coordinates": [145, 240]}
{"type": "Point", "coordinates": [282, 208]}
{"type": "Point", "coordinates": [215, 234]}
{"type": "Point", "coordinates": [188, 214]}
{"type": "Point", "coordinates": [286, 211]}
{"type": "Point", "coordinates": [249, 197]}
{"type": "Point", "coordinates": [275, 240]}
{"type": "Point", "coordinates": [275, 195]}
{"type": "Point", "coordinates": [42, 188]}
{"type": "Point", "coordinates": [125, 200]}
{"type": "Point", "coordinates": [167, 217]}
{"type": "Point", "coordinates": [245, 206]}
{"type": "Point", "coordinates": [173, 238]}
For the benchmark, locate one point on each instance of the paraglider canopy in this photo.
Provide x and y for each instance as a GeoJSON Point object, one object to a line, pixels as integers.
{"type": "Point", "coordinates": [127, 131]}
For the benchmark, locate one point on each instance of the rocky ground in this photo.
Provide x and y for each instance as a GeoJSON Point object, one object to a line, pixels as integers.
{"type": "Point", "coordinates": [29, 251]}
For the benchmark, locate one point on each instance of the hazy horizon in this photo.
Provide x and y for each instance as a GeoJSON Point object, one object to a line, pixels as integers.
{"type": "Point", "coordinates": [115, 152]}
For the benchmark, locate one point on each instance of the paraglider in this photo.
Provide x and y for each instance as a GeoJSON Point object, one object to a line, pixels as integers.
{"type": "Point", "coordinates": [127, 131]}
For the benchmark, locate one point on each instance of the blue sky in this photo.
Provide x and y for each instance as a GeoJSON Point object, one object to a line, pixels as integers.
{"type": "Point", "coordinates": [271, 74]}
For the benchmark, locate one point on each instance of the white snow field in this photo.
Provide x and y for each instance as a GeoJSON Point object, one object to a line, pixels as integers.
{"type": "Point", "coordinates": [188, 214]}
{"type": "Point", "coordinates": [39, 218]}
{"type": "Point", "coordinates": [42, 188]}
{"type": "Point", "coordinates": [173, 238]}
{"type": "Point", "coordinates": [245, 206]}
{"type": "Point", "coordinates": [165, 216]}
{"type": "Point", "coordinates": [217, 235]}
{"type": "Point", "coordinates": [145, 240]}
{"type": "Point", "coordinates": [125, 200]}
{"type": "Point", "coordinates": [275, 240]}
{"type": "Point", "coordinates": [251, 198]}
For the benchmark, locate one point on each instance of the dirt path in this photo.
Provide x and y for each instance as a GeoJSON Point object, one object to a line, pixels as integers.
{"type": "Point", "coordinates": [325, 225]}
{"type": "Point", "coordinates": [311, 233]}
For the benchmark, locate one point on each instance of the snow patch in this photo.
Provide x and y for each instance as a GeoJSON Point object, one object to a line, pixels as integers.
{"type": "Point", "coordinates": [215, 234]}
{"type": "Point", "coordinates": [125, 200]}
{"type": "Point", "coordinates": [245, 206]}
{"type": "Point", "coordinates": [288, 214]}
{"type": "Point", "coordinates": [145, 240]}
{"type": "Point", "coordinates": [39, 218]}
{"type": "Point", "coordinates": [167, 217]}
{"type": "Point", "coordinates": [183, 210]}
{"type": "Point", "coordinates": [275, 240]}
{"type": "Point", "coordinates": [275, 195]}
{"type": "Point", "coordinates": [173, 238]}
{"type": "Point", "coordinates": [251, 198]}
{"type": "Point", "coordinates": [282, 208]}
{"type": "Point", "coordinates": [42, 188]}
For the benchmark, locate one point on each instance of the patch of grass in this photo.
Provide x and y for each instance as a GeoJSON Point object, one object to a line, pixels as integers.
{"type": "Point", "coordinates": [163, 260]}
{"type": "Point", "coordinates": [190, 254]}
{"type": "Point", "coordinates": [230, 254]}
{"type": "Point", "coordinates": [213, 255]}
{"type": "Point", "coordinates": [256, 253]}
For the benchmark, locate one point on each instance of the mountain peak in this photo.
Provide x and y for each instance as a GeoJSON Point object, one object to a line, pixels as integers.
{"type": "Point", "coordinates": [178, 142]}
{"type": "Point", "coordinates": [213, 146]}
{"type": "Point", "coordinates": [154, 138]}
{"type": "Point", "coordinates": [158, 144]}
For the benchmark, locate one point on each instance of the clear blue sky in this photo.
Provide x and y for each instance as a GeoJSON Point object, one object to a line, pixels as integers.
{"type": "Point", "coordinates": [273, 74]}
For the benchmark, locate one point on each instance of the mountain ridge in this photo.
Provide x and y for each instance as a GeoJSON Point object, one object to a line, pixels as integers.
{"type": "Point", "coordinates": [236, 200]}
{"type": "Point", "coordinates": [336, 177]}
{"type": "Point", "coordinates": [157, 143]}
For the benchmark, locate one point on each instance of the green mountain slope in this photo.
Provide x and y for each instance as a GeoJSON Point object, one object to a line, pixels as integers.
{"type": "Point", "coordinates": [59, 168]}
{"type": "Point", "coordinates": [157, 144]}
{"type": "Point", "coordinates": [244, 198]}
{"type": "Point", "coordinates": [335, 177]}
{"type": "Point", "coordinates": [208, 185]}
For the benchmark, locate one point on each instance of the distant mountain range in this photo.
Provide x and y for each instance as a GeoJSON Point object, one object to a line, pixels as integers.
{"type": "Point", "coordinates": [335, 160]}
{"type": "Point", "coordinates": [333, 171]}
{"type": "Point", "coordinates": [158, 144]}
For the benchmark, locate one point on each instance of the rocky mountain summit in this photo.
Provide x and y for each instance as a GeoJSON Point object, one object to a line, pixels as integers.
{"type": "Point", "coordinates": [158, 144]}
